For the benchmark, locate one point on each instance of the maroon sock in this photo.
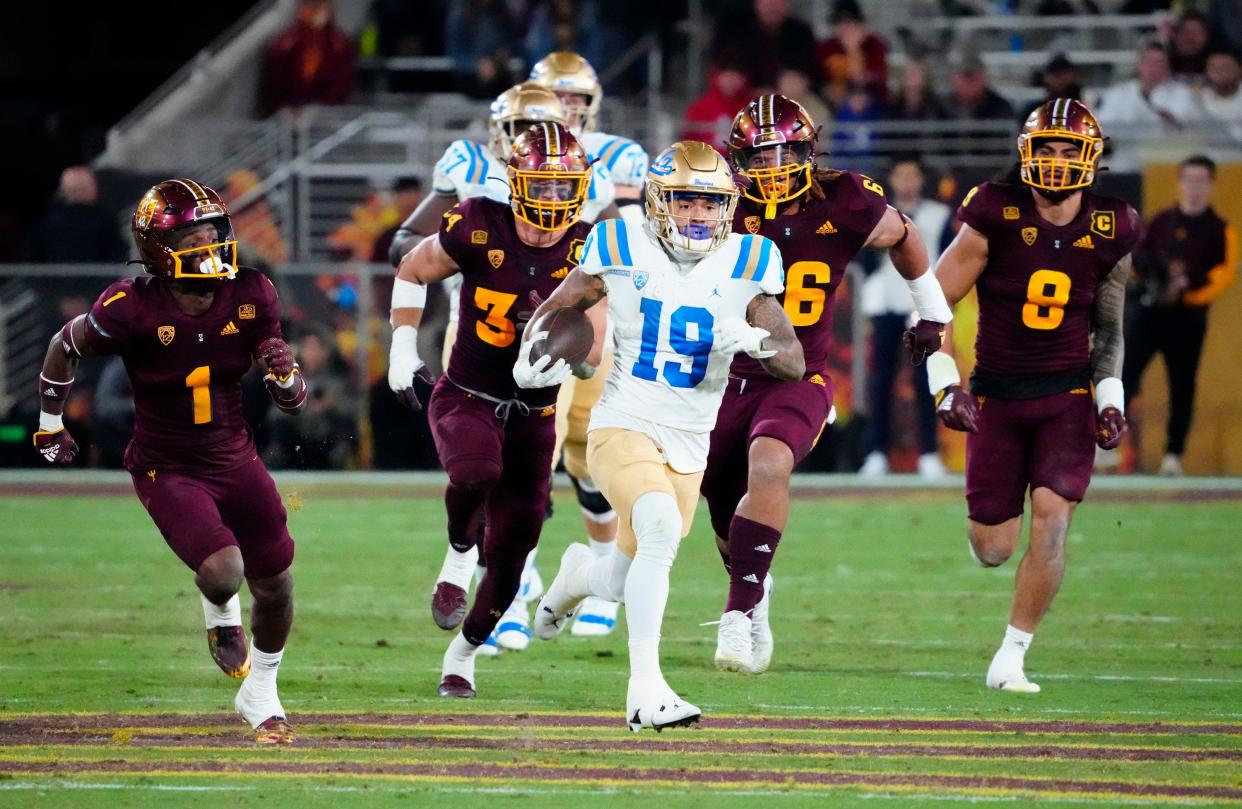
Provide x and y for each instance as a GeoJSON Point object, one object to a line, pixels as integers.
{"type": "Point", "coordinates": [465, 516]}
{"type": "Point", "coordinates": [751, 547]}
{"type": "Point", "coordinates": [724, 557]}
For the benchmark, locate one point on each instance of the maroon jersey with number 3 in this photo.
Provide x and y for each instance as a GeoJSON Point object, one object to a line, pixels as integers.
{"type": "Point", "coordinates": [817, 244]}
{"type": "Point", "coordinates": [503, 281]}
{"type": "Point", "coordinates": [186, 371]}
{"type": "Point", "coordinates": [1037, 289]}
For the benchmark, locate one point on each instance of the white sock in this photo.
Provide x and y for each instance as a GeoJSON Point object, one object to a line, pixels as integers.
{"type": "Point", "coordinates": [602, 548]}
{"type": "Point", "coordinates": [458, 566]}
{"type": "Point", "coordinates": [459, 658]}
{"type": "Point", "coordinates": [1012, 653]}
{"type": "Point", "coordinates": [229, 614]}
{"type": "Point", "coordinates": [479, 573]}
{"type": "Point", "coordinates": [657, 525]}
{"type": "Point", "coordinates": [603, 577]}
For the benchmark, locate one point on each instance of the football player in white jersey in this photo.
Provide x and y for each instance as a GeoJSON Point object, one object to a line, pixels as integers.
{"type": "Point", "coordinates": [574, 82]}
{"type": "Point", "coordinates": [470, 169]}
{"type": "Point", "coordinates": [685, 295]}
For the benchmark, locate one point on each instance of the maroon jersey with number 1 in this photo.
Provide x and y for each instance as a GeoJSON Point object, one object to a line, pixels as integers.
{"type": "Point", "coordinates": [503, 281]}
{"type": "Point", "coordinates": [186, 371]}
{"type": "Point", "coordinates": [1037, 289]}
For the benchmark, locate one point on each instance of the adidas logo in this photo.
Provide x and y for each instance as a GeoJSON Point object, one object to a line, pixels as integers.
{"type": "Point", "coordinates": [751, 577]}
{"type": "Point", "coordinates": [763, 548]}
{"type": "Point", "coordinates": [561, 273]}
{"type": "Point", "coordinates": [826, 228]}
{"type": "Point", "coordinates": [1086, 242]}
{"type": "Point", "coordinates": [50, 393]}
{"type": "Point", "coordinates": [229, 329]}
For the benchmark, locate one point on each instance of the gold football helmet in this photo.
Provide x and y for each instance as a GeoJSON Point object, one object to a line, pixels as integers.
{"type": "Point", "coordinates": [515, 110]}
{"type": "Point", "coordinates": [572, 78]}
{"type": "Point", "coordinates": [1066, 120]}
{"type": "Point", "coordinates": [687, 170]}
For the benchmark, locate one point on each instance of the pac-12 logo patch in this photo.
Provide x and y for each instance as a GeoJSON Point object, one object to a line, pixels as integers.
{"type": "Point", "coordinates": [166, 334]}
{"type": "Point", "coordinates": [752, 224]}
{"type": "Point", "coordinates": [640, 278]}
{"type": "Point", "coordinates": [496, 257]}
{"type": "Point", "coordinates": [1029, 234]}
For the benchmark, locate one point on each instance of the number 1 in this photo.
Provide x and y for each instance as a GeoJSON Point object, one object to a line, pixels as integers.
{"type": "Point", "coordinates": [199, 382]}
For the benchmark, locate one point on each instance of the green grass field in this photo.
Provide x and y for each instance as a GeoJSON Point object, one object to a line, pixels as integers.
{"type": "Point", "coordinates": [884, 629]}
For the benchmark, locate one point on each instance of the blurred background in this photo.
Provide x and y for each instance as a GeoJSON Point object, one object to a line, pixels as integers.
{"type": "Point", "coordinates": [319, 122]}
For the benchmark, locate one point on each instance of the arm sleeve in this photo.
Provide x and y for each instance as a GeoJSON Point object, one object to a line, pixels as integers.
{"type": "Point", "coordinates": [109, 324]}
{"type": "Point", "coordinates": [1219, 277]}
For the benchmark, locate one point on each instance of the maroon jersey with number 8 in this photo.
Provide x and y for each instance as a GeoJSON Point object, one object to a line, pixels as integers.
{"type": "Point", "coordinates": [186, 371]}
{"type": "Point", "coordinates": [503, 281]}
{"type": "Point", "coordinates": [1038, 287]}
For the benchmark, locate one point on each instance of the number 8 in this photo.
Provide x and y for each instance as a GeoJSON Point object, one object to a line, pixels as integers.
{"type": "Point", "coordinates": [1046, 295]}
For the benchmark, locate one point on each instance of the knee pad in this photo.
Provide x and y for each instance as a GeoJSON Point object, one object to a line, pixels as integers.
{"type": "Point", "coordinates": [657, 527]}
{"type": "Point", "coordinates": [595, 507]}
{"type": "Point", "coordinates": [474, 473]}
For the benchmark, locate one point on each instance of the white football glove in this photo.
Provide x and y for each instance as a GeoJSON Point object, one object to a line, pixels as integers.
{"type": "Point", "coordinates": [734, 335]}
{"type": "Point", "coordinates": [542, 373]}
{"type": "Point", "coordinates": [403, 364]}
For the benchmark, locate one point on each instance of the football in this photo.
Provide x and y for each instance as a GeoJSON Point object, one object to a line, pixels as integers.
{"type": "Point", "coordinates": [570, 335]}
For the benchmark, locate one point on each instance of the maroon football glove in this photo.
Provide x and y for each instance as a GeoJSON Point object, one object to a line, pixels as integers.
{"type": "Point", "coordinates": [419, 390]}
{"type": "Point", "coordinates": [924, 339]}
{"type": "Point", "coordinates": [288, 393]}
{"type": "Point", "coordinates": [277, 357]}
{"type": "Point", "coordinates": [958, 409]}
{"type": "Point", "coordinates": [56, 447]}
{"type": "Point", "coordinates": [1110, 428]}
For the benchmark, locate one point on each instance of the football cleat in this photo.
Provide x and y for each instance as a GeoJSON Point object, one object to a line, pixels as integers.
{"type": "Point", "coordinates": [276, 730]}
{"type": "Point", "coordinates": [490, 647]}
{"type": "Point", "coordinates": [230, 649]}
{"type": "Point", "coordinates": [532, 583]}
{"type": "Point", "coordinates": [596, 618]}
{"type": "Point", "coordinates": [652, 704]}
{"type": "Point", "coordinates": [448, 605]}
{"type": "Point", "coordinates": [454, 685]}
{"type": "Point", "coordinates": [513, 631]}
{"type": "Point", "coordinates": [761, 630]}
{"type": "Point", "coordinates": [1015, 682]}
{"type": "Point", "coordinates": [733, 643]}
{"type": "Point", "coordinates": [557, 605]}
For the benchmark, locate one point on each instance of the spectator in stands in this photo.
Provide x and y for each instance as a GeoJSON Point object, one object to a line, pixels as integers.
{"type": "Point", "coordinates": [853, 54]}
{"type": "Point", "coordinates": [491, 76]}
{"type": "Point", "coordinates": [915, 100]}
{"type": "Point", "coordinates": [310, 62]}
{"type": "Point", "coordinates": [1187, 257]}
{"type": "Point", "coordinates": [859, 108]}
{"type": "Point", "coordinates": [1188, 47]}
{"type": "Point", "coordinates": [76, 228]}
{"type": "Point", "coordinates": [407, 192]}
{"type": "Point", "coordinates": [1059, 78]}
{"type": "Point", "coordinates": [768, 39]}
{"type": "Point", "coordinates": [403, 28]}
{"type": "Point", "coordinates": [475, 29]}
{"type": "Point", "coordinates": [972, 97]}
{"type": "Point", "coordinates": [1150, 98]}
{"type": "Point", "coordinates": [323, 434]}
{"type": "Point", "coordinates": [709, 116]}
{"type": "Point", "coordinates": [796, 85]}
{"type": "Point", "coordinates": [1221, 95]}
{"type": "Point", "coordinates": [885, 300]}
{"type": "Point", "coordinates": [1226, 25]}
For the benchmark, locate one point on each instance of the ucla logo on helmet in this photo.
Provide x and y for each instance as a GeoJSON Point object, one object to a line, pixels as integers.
{"type": "Point", "coordinates": [640, 278]}
{"type": "Point", "coordinates": [663, 164]}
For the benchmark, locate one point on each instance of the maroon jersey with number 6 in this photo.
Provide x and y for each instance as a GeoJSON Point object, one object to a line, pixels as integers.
{"type": "Point", "coordinates": [1038, 287]}
{"type": "Point", "coordinates": [503, 281]}
{"type": "Point", "coordinates": [186, 371]}
{"type": "Point", "coordinates": [817, 244]}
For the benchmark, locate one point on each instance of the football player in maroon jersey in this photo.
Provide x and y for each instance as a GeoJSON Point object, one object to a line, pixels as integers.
{"type": "Point", "coordinates": [496, 439]}
{"type": "Point", "coordinates": [1049, 259]}
{"type": "Point", "coordinates": [188, 331]}
{"type": "Point", "coordinates": [820, 219]}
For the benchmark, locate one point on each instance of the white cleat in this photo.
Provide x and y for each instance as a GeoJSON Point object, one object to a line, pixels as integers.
{"type": "Point", "coordinates": [761, 630]}
{"type": "Point", "coordinates": [490, 647]}
{"type": "Point", "coordinates": [596, 618]}
{"type": "Point", "coordinates": [532, 583]}
{"type": "Point", "coordinates": [931, 467]}
{"type": "Point", "coordinates": [652, 704]}
{"type": "Point", "coordinates": [558, 606]}
{"type": "Point", "coordinates": [874, 465]}
{"type": "Point", "coordinates": [257, 705]}
{"type": "Point", "coordinates": [1016, 682]}
{"type": "Point", "coordinates": [513, 630]}
{"type": "Point", "coordinates": [734, 648]}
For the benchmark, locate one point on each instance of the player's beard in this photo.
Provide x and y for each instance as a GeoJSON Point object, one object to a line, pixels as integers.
{"type": "Point", "coordinates": [1056, 197]}
{"type": "Point", "coordinates": [199, 289]}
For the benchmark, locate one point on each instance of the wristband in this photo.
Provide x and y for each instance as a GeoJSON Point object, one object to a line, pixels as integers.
{"type": "Point", "coordinates": [1110, 393]}
{"type": "Point", "coordinates": [408, 295]}
{"type": "Point", "coordinates": [941, 372]}
{"type": "Point", "coordinates": [50, 422]}
{"type": "Point", "coordinates": [52, 390]}
{"type": "Point", "coordinates": [929, 298]}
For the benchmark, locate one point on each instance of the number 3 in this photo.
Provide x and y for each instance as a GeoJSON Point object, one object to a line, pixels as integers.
{"type": "Point", "coordinates": [495, 329]}
{"type": "Point", "coordinates": [1046, 295]}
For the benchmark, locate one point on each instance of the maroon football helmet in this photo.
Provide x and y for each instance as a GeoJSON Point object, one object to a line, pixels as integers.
{"type": "Point", "coordinates": [161, 220]}
{"type": "Point", "coordinates": [772, 145]}
{"type": "Point", "coordinates": [1065, 120]}
{"type": "Point", "coordinates": [549, 176]}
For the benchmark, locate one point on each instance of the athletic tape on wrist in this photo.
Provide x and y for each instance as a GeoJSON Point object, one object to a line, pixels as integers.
{"type": "Point", "coordinates": [50, 422]}
{"type": "Point", "coordinates": [1110, 393]}
{"type": "Point", "coordinates": [404, 343]}
{"type": "Point", "coordinates": [929, 298]}
{"type": "Point", "coordinates": [941, 372]}
{"type": "Point", "coordinates": [408, 295]}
